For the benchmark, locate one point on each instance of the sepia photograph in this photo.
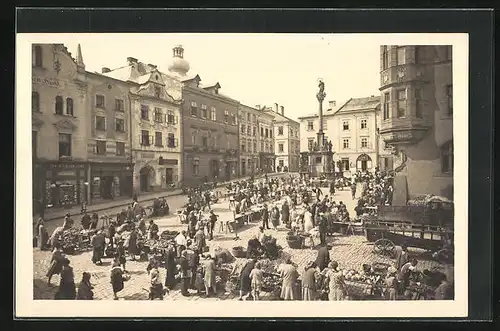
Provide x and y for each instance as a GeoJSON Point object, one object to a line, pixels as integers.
{"type": "Point", "coordinates": [223, 170]}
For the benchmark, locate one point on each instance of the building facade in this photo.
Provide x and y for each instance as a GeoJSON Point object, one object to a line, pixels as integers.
{"type": "Point", "coordinates": [286, 140]}
{"type": "Point", "coordinates": [209, 127]}
{"type": "Point", "coordinates": [417, 117]}
{"type": "Point", "coordinates": [352, 128]}
{"type": "Point", "coordinates": [109, 149]}
{"type": "Point", "coordinates": [60, 123]}
{"type": "Point", "coordinates": [256, 141]}
{"type": "Point", "coordinates": [155, 102]}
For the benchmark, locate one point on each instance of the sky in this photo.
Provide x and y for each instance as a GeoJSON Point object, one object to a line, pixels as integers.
{"type": "Point", "coordinates": [255, 69]}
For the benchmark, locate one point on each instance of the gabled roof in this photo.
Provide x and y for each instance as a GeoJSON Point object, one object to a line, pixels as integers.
{"type": "Point", "coordinates": [216, 85]}
{"type": "Point", "coordinates": [355, 104]}
{"type": "Point", "coordinates": [190, 78]}
{"type": "Point", "coordinates": [125, 73]}
{"type": "Point", "coordinates": [151, 77]}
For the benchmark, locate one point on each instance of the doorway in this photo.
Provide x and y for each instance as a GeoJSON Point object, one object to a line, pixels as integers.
{"type": "Point", "coordinates": [169, 175]}
{"type": "Point", "coordinates": [145, 178]}
{"type": "Point", "coordinates": [106, 187]}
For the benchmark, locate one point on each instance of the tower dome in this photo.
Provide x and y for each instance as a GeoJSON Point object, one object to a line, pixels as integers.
{"type": "Point", "coordinates": [178, 65]}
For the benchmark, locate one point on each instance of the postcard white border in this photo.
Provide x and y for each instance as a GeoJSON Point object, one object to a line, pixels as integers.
{"type": "Point", "coordinates": [25, 306]}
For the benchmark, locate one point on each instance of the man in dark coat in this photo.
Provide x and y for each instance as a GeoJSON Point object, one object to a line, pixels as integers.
{"type": "Point", "coordinates": [265, 218]}
{"type": "Point", "coordinates": [322, 227]}
{"type": "Point", "coordinates": [184, 273]}
{"type": "Point", "coordinates": [285, 214]}
{"type": "Point", "coordinates": [323, 257]}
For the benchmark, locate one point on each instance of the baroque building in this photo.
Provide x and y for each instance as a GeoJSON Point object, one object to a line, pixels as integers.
{"type": "Point", "coordinates": [256, 141]}
{"type": "Point", "coordinates": [286, 139]}
{"type": "Point", "coordinates": [209, 125]}
{"type": "Point", "coordinates": [155, 101]}
{"type": "Point", "coordinates": [417, 118]}
{"type": "Point", "coordinates": [60, 125]}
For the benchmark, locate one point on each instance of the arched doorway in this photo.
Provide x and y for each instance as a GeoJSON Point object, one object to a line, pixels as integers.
{"type": "Point", "coordinates": [364, 162]}
{"type": "Point", "coordinates": [146, 178]}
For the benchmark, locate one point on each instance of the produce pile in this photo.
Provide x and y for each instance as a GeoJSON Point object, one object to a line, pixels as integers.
{"type": "Point", "coordinates": [271, 282]}
{"type": "Point", "coordinates": [271, 249]}
{"type": "Point", "coordinates": [74, 240]}
{"type": "Point", "coordinates": [353, 275]}
{"type": "Point", "coordinates": [169, 235]}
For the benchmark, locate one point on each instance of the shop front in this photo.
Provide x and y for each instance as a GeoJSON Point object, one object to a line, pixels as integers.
{"type": "Point", "coordinates": [267, 161]}
{"type": "Point", "coordinates": [110, 181]}
{"type": "Point", "coordinates": [64, 184]}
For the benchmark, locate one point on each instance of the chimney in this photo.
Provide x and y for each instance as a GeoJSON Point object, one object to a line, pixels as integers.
{"type": "Point", "coordinates": [132, 60]}
{"type": "Point", "coordinates": [332, 103]}
{"type": "Point", "coordinates": [282, 111]}
{"type": "Point", "coordinates": [105, 70]}
{"type": "Point", "coordinates": [152, 66]}
{"type": "Point", "coordinates": [276, 108]}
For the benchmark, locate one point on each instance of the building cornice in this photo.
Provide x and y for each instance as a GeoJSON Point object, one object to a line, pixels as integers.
{"type": "Point", "coordinates": [218, 97]}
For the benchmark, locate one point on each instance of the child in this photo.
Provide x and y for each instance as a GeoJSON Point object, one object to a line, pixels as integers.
{"type": "Point", "coordinates": [256, 276]}
{"type": "Point", "coordinates": [391, 283]}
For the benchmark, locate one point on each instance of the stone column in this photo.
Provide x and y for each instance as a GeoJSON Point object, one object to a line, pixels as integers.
{"type": "Point", "coordinates": [321, 96]}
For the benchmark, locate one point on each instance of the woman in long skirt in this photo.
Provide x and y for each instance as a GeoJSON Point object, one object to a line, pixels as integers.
{"type": "Point", "coordinates": [67, 288]}
{"type": "Point", "coordinates": [309, 282]}
{"type": "Point", "coordinates": [85, 289]}
{"type": "Point", "coordinates": [133, 250]}
{"type": "Point", "coordinates": [170, 268]}
{"type": "Point", "coordinates": [209, 277]}
{"type": "Point", "coordinates": [43, 235]}
{"type": "Point", "coordinates": [117, 281]}
{"type": "Point", "coordinates": [275, 217]}
{"type": "Point", "coordinates": [289, 275]}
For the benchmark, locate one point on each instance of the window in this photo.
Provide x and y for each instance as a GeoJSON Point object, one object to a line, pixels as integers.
{"type": "Point", "coordinates": [249, 146]}
{"type": "Point", "coordinates": [385, 58]}
{"type": "Point", "coordinates": [37, 56]}
{"type": "Point", "coordinates": [255, 147]}
{"type": "Point", "coordinates": [243, 146]}
{"type": "Point", "coordinates": [401, 103]}
{"type": "Point", "coordinates": [281, 163]}
{"type": "Point", "coordinates": [145, 112]}
{"type": "Point", "coordinates": [281, 148]}
{"type": "Point", "coordinates": [193, 138]}
{"type": "Point", "coordinates": [35, 101]}
{"type": "Point", "coordinates": [99, 101]}
{"type": "Point", "coordinates": [59, 105]}
{"type": "Point", "coordinates": [449, 99]}
{"type": "Point", "coordinates": [364, 142]}
{"type": "Point", "coordinates": [267, 133]}
{"type": "Point", "coordinates": [204, 111]}
{"type": "Point", "coordinates": [448, 54]}
{"type": "Point", "coordinates": [254, 118]}
{"type": "Point", "coordinates": [158, 115]}
{"type": "Point", "coordinates": [69, 106]}
{"type": "Point", "coordinates": [64, 144]}
{"type": "Point", "coordinates": [204, 141]}
{"type": "Point", "coordinates": [171, 140]}
{"type": "Point", "coordinates": [400, 55]}
{"type": "Point", "coordinates": [254, 131]}
{"type": "Point", "coordinates": [171, 117]}
{"type": "Point", "coordinates": [196, 167]}
{"type": "Point", "coordinates": [387, 101]}
{"type": "Point", "coordinates": [249, 117]}
{"type": "Point", "coordinates": [346, 143]}
{"type": "Point", "coordinates": [310, 125]}
{"type": "Point", "coordinates": [280, 130]}
{"type": "Point", "coordinates": [363, 124]}
{"type": "Point", "coordinates": [418, 103]}
{"type": "Point", "coordinates": [101, 147]}
{"type": "Point", "coordinates": [233, 119]}
{"type": "Point", "coordinates": [120, 148]}
{"type": "Point", "coordinates": [261, 131]}
{"type": "Point", "coordinates": [226, 116]}
{"type": "Point", "coordinates": [345, 164]}
{"type": "Point", "coordinates": [213, 114]}
{"type": "Point", "coordinates": [447, 157]}
{"type": "Point", "coordinates": [262, 146]}
{"type": "Point", "coordinates": [417, 55]}
{"type": "Point", "coordinates": [100, 123]}
{"type": "Point", "coordinates": [345, 125]}
{"type": "Point", "coordinates": [310, 143]}
{"type": "Point", "coordinates": [119, 125]}
{"type": "Point", "coordinates": [243, 129]}
{"type": "Point", "coordinates": [194, 109]}
{"type": "Point", "coordinates": [270, 133]}
{"type": "Point", "coordinates": [157, 91]}
{"type": "Point", "coordinates": [249, 130]}
{"type": "Point", "coordinates": [34, 143]}
{"type": "Point", "coordinates": [145, 138]}
{"type": "Point", "coordinates": [119, 106]}
{"type": "Point", "coordinates": [158, 139]}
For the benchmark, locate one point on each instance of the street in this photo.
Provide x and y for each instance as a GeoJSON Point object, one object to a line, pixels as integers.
{"type": "Point", "coordinates": [350, 251]}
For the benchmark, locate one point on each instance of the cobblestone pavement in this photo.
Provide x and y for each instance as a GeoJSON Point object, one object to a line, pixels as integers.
{"type": "Point", "coordinates": [350, 251]}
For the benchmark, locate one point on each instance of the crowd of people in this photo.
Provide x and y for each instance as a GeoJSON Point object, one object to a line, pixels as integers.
{"type": "Point", "coordinates": [290, 201]}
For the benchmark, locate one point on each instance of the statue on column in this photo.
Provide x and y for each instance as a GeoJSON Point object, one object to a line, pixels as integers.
{"type": "Point", "coordinates": [321, 93]}
{"type": "Point", "coordinates": [330, 146]}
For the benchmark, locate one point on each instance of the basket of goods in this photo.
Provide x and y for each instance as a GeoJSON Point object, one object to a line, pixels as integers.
{"type": "Point", "coordinates": [223, 256]}
{"type": "Point", "coordinates": [233, 285]}
{"type": "Point", "coordinates": [294, 242]}
{"type": "Point", "coordinates": [271, 282]}
{"type": "Point", "coordinates": [239, 252]}
{"type": "Point", "coordinates": [169, 235]}
{"type": "Point", "coordinates": [271, 249]}
{"type": "Point", "coordinates": [70, 240]}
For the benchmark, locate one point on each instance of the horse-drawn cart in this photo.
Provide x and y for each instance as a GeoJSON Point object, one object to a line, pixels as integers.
{"type": "Point", "coordinates": [428, 226]}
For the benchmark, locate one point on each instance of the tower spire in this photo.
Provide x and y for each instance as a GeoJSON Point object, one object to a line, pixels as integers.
{"type": "Point", "coordinates": [79, 57]}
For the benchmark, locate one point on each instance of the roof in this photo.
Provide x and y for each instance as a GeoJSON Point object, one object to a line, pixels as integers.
{"type": "Point", "coordinates": [328, 112]}
{"type": "Point", "coordinates": [359, 104]}
{"type": "Point", "coordinates": [125, 73]}
{"type": "Point", "coordinates": [279, 117]}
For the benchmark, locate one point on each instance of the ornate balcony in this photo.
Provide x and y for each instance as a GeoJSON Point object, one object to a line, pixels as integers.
{"type": "Point", "coordinates": [403, 131]}
{"type": "Point", "coordinates": [404, 73]}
